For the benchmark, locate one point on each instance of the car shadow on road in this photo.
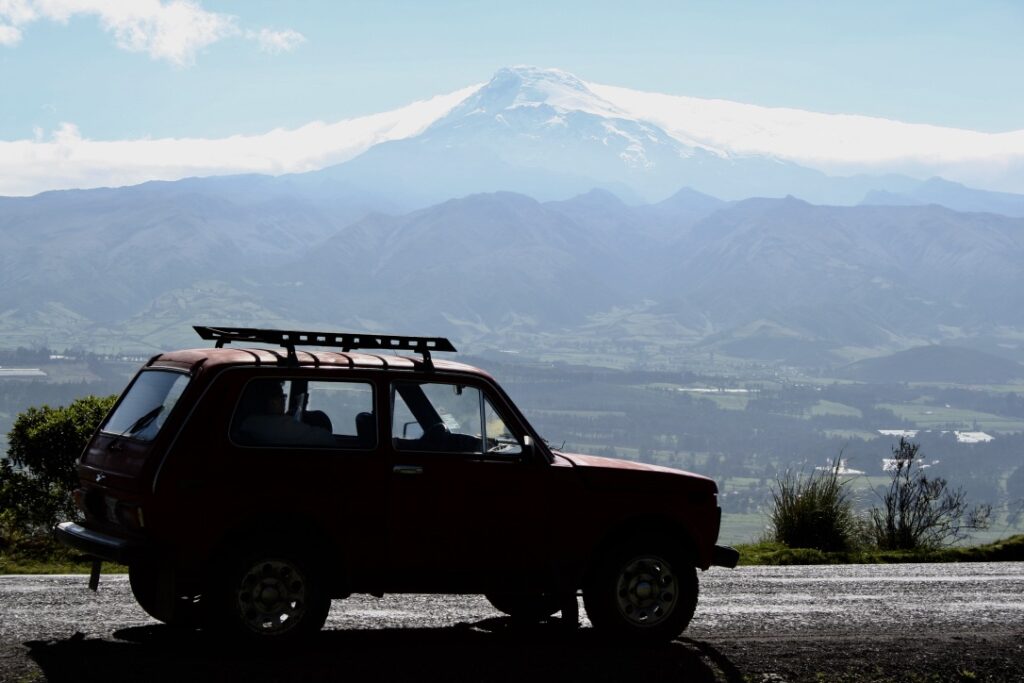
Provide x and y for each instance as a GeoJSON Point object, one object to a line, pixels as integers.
{"type": "Point", "coordinates": [495, 649]}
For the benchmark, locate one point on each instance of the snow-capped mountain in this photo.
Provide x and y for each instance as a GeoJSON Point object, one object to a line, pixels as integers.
{"type": "Point", "coordinates": [549, 133]}
{"type": "Point", "coordinates": [545, 133]}
{"type": "Point", "coordinates": [549, 119]}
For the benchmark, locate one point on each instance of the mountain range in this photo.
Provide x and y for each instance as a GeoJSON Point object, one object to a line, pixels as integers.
{"type": "Point", "coordinates": [535, 215]}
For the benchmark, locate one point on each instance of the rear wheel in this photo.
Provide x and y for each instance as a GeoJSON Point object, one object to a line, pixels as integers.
{"type": "Point", "coordinates": [156, 589]}
{"type": "Point", "coordinates": [525, 606]}
{"type": "Point", "coordinates": [271, 596]}
{"type": "Point", "coordinates": [645, 591]}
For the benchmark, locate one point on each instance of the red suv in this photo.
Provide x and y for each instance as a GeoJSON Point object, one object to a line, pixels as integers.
{"type": "Point", "coordinates": [247, 487]}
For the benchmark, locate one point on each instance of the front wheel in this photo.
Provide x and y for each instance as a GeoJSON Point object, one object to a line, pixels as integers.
{"type": "Point", "coordinates": [645, 591]}
{"type": "Point", "coordinates": [272, 596]}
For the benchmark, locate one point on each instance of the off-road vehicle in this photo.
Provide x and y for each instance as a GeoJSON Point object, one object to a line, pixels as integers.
{"type": "Point", "coordinates": [246, 488]}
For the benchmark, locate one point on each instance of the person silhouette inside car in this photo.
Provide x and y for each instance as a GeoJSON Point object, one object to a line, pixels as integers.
{"type": "Point", "coordinates": [264, 421]}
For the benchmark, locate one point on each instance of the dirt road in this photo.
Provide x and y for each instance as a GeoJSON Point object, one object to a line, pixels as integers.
{"type": "Point", "coordinates": [834, 623]}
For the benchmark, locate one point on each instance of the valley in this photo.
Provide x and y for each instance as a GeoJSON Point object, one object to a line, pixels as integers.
{"type": "Point", "coordinates": [743, 430]}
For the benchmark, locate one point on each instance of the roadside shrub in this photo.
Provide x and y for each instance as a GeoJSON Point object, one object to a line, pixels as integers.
{"type": "Point", "coordinates": [920, 512]}
{"type": "Point", "coordinates": [815, 511]}
{"type": "Point", "coordinates": [47, 441]}
{"type": "Point", "coordinates": [37, 480]}
{"type": "Point", "coordinates": [28, 505]}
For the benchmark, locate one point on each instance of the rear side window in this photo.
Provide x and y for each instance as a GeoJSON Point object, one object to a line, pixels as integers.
{"type": "Point", "coordinates": [146, 405]}
{"type": "Point", "coordinates": [305, 413]}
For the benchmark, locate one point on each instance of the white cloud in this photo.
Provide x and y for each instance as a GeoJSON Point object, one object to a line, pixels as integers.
{"type": "Point", "coordinates": [276, 42]}
{"type": "Point", "coordinates": [13, 14]}
{"type": "Point", "coordinates": [9, 35]}
{"type": "Point", "coordinates": [174, 31]}
{"type": "Point", "coordinates": [17, 11]}
{"type": "Point", "coordinates": [838, 144]}
{"type": "Point", "coordinates": [66, 159]}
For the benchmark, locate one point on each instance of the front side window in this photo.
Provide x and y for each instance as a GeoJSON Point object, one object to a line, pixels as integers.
{"type": "Point", "coordinates": [146, 405]}
{"type": "Point", "coordinates": [499, 438]}
{"type": "Point", "coordinates": [300, 412]}
{"type": "Point", "coordinates": [450, 418]}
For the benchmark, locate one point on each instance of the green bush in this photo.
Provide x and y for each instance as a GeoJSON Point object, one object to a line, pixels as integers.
{"type": "Point", "coordinates": [815, 511]}
{"type": "Point", "coordinates": [37, 481]}
{"type": "Point", "coordinates": [29, 506]}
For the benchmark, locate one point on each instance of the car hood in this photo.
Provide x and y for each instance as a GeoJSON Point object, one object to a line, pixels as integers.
{"type": "Point", "coordinates": [608, 469]}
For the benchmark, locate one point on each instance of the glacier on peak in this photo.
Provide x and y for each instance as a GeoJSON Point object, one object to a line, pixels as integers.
{"type": "Point", "coordinates": [528, 86]}
{"type": "Point", "coordinates": [531, 102]}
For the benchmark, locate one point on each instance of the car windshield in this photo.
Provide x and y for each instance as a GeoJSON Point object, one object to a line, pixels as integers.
{"type": "Point", "coordinates": [146, 405]}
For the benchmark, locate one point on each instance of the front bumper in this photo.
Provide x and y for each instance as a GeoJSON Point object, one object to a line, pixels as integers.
{"type": "Point", "coordinates": [98, 544]}
{"type": "Point", "coordinates": [725, 556]}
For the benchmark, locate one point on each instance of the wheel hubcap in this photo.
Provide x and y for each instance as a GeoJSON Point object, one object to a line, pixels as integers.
{"type": "Point", "coordinates": [271, 597]}
{"type": "Point", "coordinates": [647, 591]}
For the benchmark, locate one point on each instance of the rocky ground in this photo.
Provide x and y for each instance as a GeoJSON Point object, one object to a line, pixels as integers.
{"type": "Point", "coordinates": [761, 624]}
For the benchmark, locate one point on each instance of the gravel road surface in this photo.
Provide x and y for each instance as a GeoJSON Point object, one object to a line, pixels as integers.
{"type": "Point", "coordinates": [944, 622]}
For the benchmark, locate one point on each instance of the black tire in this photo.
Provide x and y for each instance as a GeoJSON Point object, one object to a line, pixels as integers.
{"type": "Point", "coordinates": [271, 596]}
{"type": "Point", "coordinates": [525, 606]}
{"type": "Point", "coordinates": [644, 591]}
{"type": "Point", "coordinates": [155, 589]}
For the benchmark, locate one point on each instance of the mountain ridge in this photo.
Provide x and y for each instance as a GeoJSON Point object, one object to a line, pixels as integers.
{"type": "Point", "coordinates": [935, 363]}
{"type": "Point", "coordinates": [776, 280]}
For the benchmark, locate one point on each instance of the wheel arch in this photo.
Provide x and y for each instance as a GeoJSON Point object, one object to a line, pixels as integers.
{"type": "Point", "coordinates": [641, 526]}
{"type": "Point", "coordinates": [297, 531]}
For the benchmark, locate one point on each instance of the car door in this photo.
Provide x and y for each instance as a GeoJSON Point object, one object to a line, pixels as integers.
{"type": "Point", "coordinates": [468, 507]}
{"type": "Point", "coordinates": [291, 452]}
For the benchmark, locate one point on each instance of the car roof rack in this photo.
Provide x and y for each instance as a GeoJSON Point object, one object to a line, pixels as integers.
{"type": "Point", "coordinates": [348, 341]}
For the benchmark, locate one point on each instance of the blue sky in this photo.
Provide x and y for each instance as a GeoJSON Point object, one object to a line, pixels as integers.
{"type": "Point", "coordinates": [946, 63]}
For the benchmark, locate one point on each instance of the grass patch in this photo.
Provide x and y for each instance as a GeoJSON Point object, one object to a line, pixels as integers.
{"type": "Point", "coordinates": [776, 554]}
{"type": "Point", "coordinates": [58, 563]}
{"type": "Point", "coordinates": [931, 417]}
{"type": "Point", "coordinates": [28, 565]}
{"type": "Point", "coordinates": [849, 434]}
{"type": "Point", "coordinates": [739, 528]}
{"type": "Point", "coordinates": [833, 408]}
{"type": "Point", "coordinates": [44, 555]}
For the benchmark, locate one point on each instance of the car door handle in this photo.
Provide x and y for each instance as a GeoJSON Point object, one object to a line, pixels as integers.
{"type": "Point", "coordinates": [407, 469]}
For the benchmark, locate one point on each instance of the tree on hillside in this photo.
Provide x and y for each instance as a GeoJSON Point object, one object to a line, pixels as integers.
{"type": "Point", "coordinates": [922, 512]}
{"type": "Point", "coordinates": [37, 480]}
